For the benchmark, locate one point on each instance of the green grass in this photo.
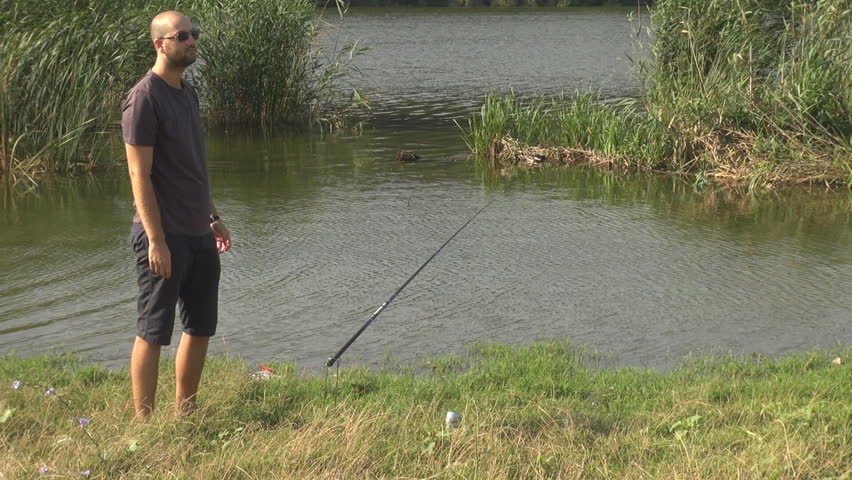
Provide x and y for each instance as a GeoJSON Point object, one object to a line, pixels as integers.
{"type": "Point", "coordinates": [582, 121]}
{"type": "Point", "coordinates": [491, 3]}
{"type": "Point", "coordinates": [745, 90]}
{"type": "Point", "coordinates": [538, 411]}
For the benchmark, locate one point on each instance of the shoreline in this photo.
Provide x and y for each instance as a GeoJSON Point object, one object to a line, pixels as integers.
{"type": "Point", "coordinates": [507, 156]}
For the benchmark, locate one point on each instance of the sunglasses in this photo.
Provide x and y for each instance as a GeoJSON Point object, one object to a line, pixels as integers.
{"type": "Point", "coordinates": [183, 35]}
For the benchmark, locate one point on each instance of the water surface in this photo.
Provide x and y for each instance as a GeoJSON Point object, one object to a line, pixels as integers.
{"type": "Point", "coordinates": [327, 227]}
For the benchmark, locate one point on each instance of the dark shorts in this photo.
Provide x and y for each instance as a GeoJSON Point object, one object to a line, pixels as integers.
{"type": "Point", "coordinates": [194, 284]}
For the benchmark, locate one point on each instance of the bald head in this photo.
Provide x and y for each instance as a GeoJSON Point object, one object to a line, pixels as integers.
{"type": "Point", "coordinates": [175, 41]}
{"type": "Point", "coordinates": [168, 22]}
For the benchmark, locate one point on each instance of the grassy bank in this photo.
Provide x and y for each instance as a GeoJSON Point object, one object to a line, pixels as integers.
{"type": "Point", "coordinates": [494, 3]}
{"type": "Point", "coordinates": [530, 412]}
{"type": "Point", "coordinates": [746, 91]}
{"type": "Point", "coordinates": [60, 93]}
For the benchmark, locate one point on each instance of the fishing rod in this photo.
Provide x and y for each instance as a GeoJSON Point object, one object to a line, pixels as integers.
{"type": "Point", "coordinates": [334, 358]}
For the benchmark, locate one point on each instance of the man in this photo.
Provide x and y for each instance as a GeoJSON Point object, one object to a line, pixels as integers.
{"type": "Point", "coordinates": [177, 234]}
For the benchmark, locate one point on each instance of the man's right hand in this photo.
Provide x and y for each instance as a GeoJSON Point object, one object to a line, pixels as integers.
{"type": "Point", "coordinates": [139, 162]}
{"type": "Point", "coordinates": [160, 258]}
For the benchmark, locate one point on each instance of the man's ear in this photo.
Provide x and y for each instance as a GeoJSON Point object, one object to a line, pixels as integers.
{"type": "Point", "coordinates": [158, 43]}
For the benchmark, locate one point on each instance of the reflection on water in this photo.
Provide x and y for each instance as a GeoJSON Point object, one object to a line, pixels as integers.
{"type": "Point", "coordinates": [327, 227]}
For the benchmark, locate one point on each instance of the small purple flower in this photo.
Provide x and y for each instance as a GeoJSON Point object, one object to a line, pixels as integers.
{"type": "Point", "coordinates": [85, 473]}
{"type": "Point", "coordinates": [50, 391]}
{"type": "Point", "coordinates": [43, 469]}
{"type": "Point", "coordinates": [16, 384]}
{"type": "Point", "coordinates": [84, 421]}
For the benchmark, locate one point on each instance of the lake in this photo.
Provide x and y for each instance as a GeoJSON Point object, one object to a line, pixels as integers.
{"type": "Point", "coordinates": [644, 269]}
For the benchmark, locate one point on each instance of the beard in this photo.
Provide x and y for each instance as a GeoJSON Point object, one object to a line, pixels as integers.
{"type": "Point", "coordinates": [181, 61]}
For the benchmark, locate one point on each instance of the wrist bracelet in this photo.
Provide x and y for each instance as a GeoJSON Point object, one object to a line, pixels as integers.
{"type": "Point", "coordinates": [214, 218]}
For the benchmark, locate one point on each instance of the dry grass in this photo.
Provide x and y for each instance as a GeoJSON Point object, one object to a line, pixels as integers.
{"type": "Point", "coordinates": [732, 163]}
{"type": "Point", "coordinates": [531, 412]}
{"type": "Point", "coordinates": [506, 153]}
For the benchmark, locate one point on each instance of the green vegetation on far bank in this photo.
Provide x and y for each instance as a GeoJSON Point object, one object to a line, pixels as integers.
{"type": "Point", "coordinates": [537, 411]}
{"type": "Point", "coordinates": [67, 66]}
{"type": "Point", "coordinates": [746, 91]}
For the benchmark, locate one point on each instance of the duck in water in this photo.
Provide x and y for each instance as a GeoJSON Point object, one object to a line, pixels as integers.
{"type": "Point", "coordinates": [407, 157]}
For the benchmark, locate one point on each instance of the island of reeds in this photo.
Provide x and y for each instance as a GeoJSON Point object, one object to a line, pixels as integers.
{"type": "Point", "coordinates": [750, 92]}
{"type": "Point", "coordinates": [67, 66]}
{"type": "Point", "coordinates": [543, 411]}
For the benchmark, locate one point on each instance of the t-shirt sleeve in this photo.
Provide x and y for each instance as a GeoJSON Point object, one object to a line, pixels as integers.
{"type": "Point", "coordinates": [138, 120]}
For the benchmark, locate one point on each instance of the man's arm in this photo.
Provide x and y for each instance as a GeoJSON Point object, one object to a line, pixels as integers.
{"type": "Point", "coordinates": [139, 161]}
{"type": "Point", "coordinates": [220, 231]}
{"type": "Point", "coordinates": [213, 212]}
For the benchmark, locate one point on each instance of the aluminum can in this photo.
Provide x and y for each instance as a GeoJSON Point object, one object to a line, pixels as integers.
{"type": "Point", "coordinates": [453, 421]}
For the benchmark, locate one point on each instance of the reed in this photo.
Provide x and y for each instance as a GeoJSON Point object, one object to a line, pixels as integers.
{"type": "Point", "coordinates": [58, 89]}
{"type": "Point", "coordinates": [509, 115]}
{"type": "Point", "coordinates": [261, 63]}
{"type": "Point", "coordinates": [751, 91]}
{"type": "Point", "coordinates": [66, 67]}
{"type": "Point", "coordinates": [583, 120]}
{"type": "Point", "coordinates": [542, 411]}
{"type": "Point", "coordinates": [751, 83]}
{"type": "Point", "coordinates": [614, 129]}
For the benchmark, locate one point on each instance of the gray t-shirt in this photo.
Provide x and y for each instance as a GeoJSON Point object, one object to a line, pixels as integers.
{"type": "Point", "coordinates": [158, 115]}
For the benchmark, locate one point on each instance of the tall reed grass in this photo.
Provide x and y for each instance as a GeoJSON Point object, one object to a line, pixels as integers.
{"type": "Point", "coordinates": [772, 77]}
{"type": "Point", "coordinates": [62, 66]}
{"type": "Point", "coordinates": [742, 89]}
{"type": "Point", "coordinates": [262, 64]}
{"type": "Point", "coordinates": [66, 67]}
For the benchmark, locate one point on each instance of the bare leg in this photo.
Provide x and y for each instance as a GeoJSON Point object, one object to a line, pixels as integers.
{"type": "Point", "coordinates": [188, 366]}
{"type": "Point", "coordinates": [144, 368]}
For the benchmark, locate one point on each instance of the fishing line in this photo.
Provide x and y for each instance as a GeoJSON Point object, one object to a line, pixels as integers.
{"type": "Point", "coordinates": [334, 358]}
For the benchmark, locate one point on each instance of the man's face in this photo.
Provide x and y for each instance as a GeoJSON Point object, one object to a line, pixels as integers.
{"type": "Point", "coordinates": [180, 53]}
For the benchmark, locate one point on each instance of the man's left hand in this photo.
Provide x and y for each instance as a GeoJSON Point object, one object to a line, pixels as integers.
{"type": "Point", "coordinates": [222, 235]}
